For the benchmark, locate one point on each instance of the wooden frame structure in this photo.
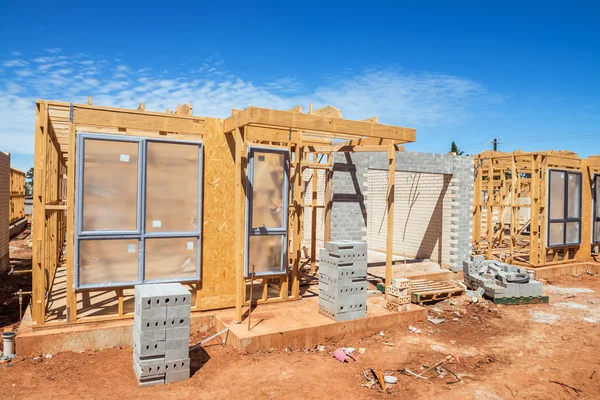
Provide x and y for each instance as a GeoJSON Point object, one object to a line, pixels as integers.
{"type": "Point", "coordinates": [17, 196]}
{"type": "Point", "coordinates": [510, 214]}
{"type": "Point", "coordinates": [310, 139]}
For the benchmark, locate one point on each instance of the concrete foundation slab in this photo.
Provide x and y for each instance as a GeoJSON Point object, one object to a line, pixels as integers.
{"type": "Point", "coordinates": [299, 325]}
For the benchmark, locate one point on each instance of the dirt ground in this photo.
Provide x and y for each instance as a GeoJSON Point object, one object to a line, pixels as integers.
{"type": "Point", "coordinates": [20, 259]}
{"type": "Point", "coordinates": [504, 352]}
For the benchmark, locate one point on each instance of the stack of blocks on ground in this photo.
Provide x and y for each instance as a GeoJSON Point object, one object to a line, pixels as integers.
{"type": "Point", "coordinates": [161, 333]}
{"type": "Point", "coordinates": [343, 280]}
{"type": "Point", "coordinates": [500, 280]}
{"type": "Point", "coordinates": [397, 296]}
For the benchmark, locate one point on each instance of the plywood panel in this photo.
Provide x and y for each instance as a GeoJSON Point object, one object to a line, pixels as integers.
{"type": "Point", "coordinates": [4, 204]}
{"type": "Point", "coordinates": [217, 287]}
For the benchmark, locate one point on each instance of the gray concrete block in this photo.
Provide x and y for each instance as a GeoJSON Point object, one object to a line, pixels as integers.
{"type": "Point", "coordinates": [346, 245]}
{"type": "Point", "coordinates": [149, 313]}
{"type": "Point", "coordinates": [178, 365]}
{"type": "Point", "coordinates": [149, 348]}
{"type": "Point", "coordinates": [176, 355]}
{"type": "Point", "coordinates": [177, 376]}
{"type": "Point", "coordinates": [152, 380]}
{"type": "Point", "coordinates": [177, 344]}
{"type": "Point", "coordinates": [178, 333]}
{"type": "Point", "coordinates": [148, 335]}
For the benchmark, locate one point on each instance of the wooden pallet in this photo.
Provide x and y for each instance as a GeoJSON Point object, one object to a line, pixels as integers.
{"type": "Point", "coordinates": [424, 291]}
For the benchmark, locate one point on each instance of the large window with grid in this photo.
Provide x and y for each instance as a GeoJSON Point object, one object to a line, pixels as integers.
{"type": "Point", "coordinates": [138, 211]}
{"type": "Point", "coordinates": [564, 208]}
{"type": "Point", "coordinates": [266, 211]}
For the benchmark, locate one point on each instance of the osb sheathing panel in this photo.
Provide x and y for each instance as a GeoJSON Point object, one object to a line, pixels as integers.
{"type": "Point", "coordinates": [217, 288]}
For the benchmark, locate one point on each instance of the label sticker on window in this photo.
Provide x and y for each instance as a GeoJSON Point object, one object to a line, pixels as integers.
{"type": "Point", "coordinates": [157, 224]}
{"type": "Point", "coordinates": [190, 245]}
{"type": "Point", "coordinates": [124, 157]}
{"type": "Point", "coordinates": [131, 248]}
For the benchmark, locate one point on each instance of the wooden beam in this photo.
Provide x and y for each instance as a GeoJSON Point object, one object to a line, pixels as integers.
{"type": "Point", "coordinates": [298, 212]}
{"type": "Point", "coordinates": [328, 111]}
{"type": "Point", "coordinates": [138, 120]}
{"type": "Point", "coordinates": [389, 246]}
{"type": "Point", "coordinates": [90, 100]}
{"type": "Point", "coordinates": [142, 107]}
{"type": "Point", "coordinates": [328, 203]}
{"type": "Point", "coordinates": [71, 311]}
{"type": "Point", "coordinates": [239, 227]}
{"type": "Point", "coordinates": [38, 306]}
{"type": "Point", "coordinates": [185, 109]}
{"type": "Point", "coordinates": [313, 221]}
{"type": "Point", "coordinates": [307, 122]}
{"type": "Point", "coordinates": [374, 120]}
{"type": "Point", "coordinates": [587, 212]}
{"type": "Point", "coordinates": [297, 109]}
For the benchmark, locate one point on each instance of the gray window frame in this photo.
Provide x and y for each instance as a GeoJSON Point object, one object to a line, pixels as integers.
{"type": "Point", "coordinates": [140, 233]}
{"type": "Point", "coordinates": [566, 218]}
{"type": "Point", "coordinates": [283, 231]}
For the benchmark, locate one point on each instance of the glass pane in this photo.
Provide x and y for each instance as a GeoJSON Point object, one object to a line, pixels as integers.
{"type": "Point", "coordinates": [574, 202]}
{"type": "Point", "coordinates": [171, 187]}
{"type": "Point", "coordinates": [102, 262]}
{"type": "Point", "coordinates": [267, 190]}
{"type": "Point", "coordinates": [110, 185]}
{"type": "Point", "coordinates": [171, 258]}
{"type": "Point", "coordinates": [556, 234]}
{"type": "Point", "coordinates": [597, 232]}
{"type": "Point", "coordinates": [557, 194]}
{"type": "Point", "coordinates": [572, 232]}
{"type": "Point", "coordinates": [265, 254]}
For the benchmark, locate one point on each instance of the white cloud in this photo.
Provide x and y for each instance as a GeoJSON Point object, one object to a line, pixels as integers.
{"type": "Point", "coordinates": [15, 63]}
{"type": "Point", "coordinates": [53, 50]}
{"type": "Point", "coordinates": [395, 96]}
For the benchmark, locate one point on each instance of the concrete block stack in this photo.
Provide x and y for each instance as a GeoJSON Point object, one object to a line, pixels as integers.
{"type": "Point", "coordinates": [500, 280]}
{"type": "Point", "coordinates": [161, 333]}
{"type": "Point", "coordinates": [397, 296]}
{"type": "Point", "coordinates": [343, 280]}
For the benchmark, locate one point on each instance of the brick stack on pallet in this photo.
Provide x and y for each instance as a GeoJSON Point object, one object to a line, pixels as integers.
{"type": "Point", "coordinates": [343, 280]}
{"type": "Point", "coordinates": [161, 333]}
{"type": "Point", "coordinates": [397, 296]}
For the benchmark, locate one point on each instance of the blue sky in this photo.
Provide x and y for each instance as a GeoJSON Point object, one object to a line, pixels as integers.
{"type": "Point", "coordinates": [526, 73]}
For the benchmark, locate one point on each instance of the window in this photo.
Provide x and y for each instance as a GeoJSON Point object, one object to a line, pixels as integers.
{"type": "Point", "coordinates": [564, 204]}
{"type": "Point", "coordinates": [138, 207]}
{"type": "Point", "coordinates": [266, 211]}
{"type": "Point", "coordinates": [596, 238]}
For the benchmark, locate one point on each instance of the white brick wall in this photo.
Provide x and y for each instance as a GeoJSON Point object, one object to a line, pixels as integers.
{"type": "Point", "coordinates": [4, 203]}
{"type": "Point", "coordinates": [421, 207]}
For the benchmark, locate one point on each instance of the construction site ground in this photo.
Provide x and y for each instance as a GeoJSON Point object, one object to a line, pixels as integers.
{"type": "Point", "coordinates": [504, 352]}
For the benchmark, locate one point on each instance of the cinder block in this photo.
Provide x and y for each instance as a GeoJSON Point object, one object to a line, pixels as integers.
{"type": "Point", "coordinates": [153, 335]}
{"type": "Point", "coordinates": [176, 355]}
{"type": "Point", "coordinates": [178, 365]}
{"type": "Point", "coordinates": [146, 295]}
{"type": "Point", "coordinates": [149, 348]}
{"type": "Point", "coordinates": [152, 380]}
{"type": "Point", "coordinates": [177, 376]}
{"type": "Point", "coordinates": [338, 245]}
{"type": "Point", "coordinates": [178, 311]}
{"type": "Point", "coordinates": [177, 344]}
{"type": "Point", "coordinates": [178, 333]}
{"type": "Point", "coordinates": [149, 313]}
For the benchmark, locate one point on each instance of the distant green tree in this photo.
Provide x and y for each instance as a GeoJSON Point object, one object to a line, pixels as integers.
{"type": "Point", "coordinates": [29, 183]}
{"type": "Point", "coordinates": [454, 149]}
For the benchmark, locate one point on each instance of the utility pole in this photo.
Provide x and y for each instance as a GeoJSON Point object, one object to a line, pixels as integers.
{"type": "Point", "coordinates": [495, 144]}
